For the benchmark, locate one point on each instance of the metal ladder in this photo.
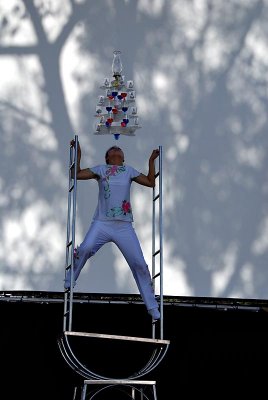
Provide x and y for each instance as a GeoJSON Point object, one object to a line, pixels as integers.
{"type": "Point", "coordinates": [157, 241]}
{"type": "Point", "coordinates": [70, 237]}
{"type": "Point", "coordinates": [160, 346]}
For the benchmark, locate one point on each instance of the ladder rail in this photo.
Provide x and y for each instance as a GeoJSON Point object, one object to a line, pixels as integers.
{"type": "Point", "coordinates": [70, 244]}
{"type": "Point", "coordinates": [67, 235]}
{"type": "Point", "coordinates": [73, 231]}
{"type": "Point", "coordinates": [161, 237]}
{"type": "Point", "coordinates": [157, 197]}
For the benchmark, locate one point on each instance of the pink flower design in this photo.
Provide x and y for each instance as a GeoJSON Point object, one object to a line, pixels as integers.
{"type": "Point", "coordinates": [126, 207]}
{"type": "Point", "coordinates": [112, 171]}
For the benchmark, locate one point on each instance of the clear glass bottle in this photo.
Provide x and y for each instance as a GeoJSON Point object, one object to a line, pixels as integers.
{"type": "Point", "coordinates": [117, 64]}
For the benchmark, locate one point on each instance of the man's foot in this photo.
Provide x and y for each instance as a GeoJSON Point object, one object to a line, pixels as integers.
{"type": "Point", "coordinates": [155, 314]}
{"type": "Point", "coordinates": [67, 284]}
{"type": "Point", "coordinates": [67, 280]}
{"type": "Point", "coordinates": [76, 252]}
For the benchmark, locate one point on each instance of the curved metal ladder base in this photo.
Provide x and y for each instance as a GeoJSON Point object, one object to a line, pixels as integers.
{"type": "Point", "coordinates": [160, 349]}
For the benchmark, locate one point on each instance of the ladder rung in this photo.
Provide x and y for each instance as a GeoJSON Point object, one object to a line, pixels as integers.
{"type": "Point", "coordinates": [72, 165]}
{"type": "Point", "coordinates": [116, 337]}
{"type": "Point", "coordinates": [68, 267]}
{"type": "Point", "coordinates": [157, 252]}
{"type": "Point", "coordinates": [156, 175]}
{"type": "Point", "coordinates": [156, 197]}
{"type": "Point", "coordinates": [156, 275]}
{"type": "Point", "coordinates": [71, 188]}
{"type": "Point", "coordinates": [69, 244]}
{"type": "Point", "coordinates": [117, 382]}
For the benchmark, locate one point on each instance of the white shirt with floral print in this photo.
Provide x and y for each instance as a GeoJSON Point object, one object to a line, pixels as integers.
{"type": "Point", "coordinates": [114, 192]}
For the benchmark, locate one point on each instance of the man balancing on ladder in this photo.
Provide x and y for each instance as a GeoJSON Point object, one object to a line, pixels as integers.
{"type": "Point", "coordinates": [112, 220]}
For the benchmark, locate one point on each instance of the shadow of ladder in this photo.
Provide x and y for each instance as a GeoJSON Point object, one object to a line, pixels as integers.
{"type": "Point", "coordinates": [95, 383]}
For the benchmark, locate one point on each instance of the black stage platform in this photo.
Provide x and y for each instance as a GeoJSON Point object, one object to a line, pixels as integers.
{"type": "Point", "coordinates": [218, 347]}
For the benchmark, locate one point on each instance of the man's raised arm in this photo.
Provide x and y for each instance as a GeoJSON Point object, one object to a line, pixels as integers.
{"type": "Point", "coordinates": [85, 173]}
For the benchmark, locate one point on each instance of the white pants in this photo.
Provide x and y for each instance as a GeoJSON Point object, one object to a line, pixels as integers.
{"type": "Point", "coordinates": [124, 236]}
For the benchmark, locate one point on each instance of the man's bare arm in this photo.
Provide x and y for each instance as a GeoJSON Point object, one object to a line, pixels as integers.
{"type": "Point", "coordinates": [85, 173]}
{"type": "Point", "coordinates": [149, 179]}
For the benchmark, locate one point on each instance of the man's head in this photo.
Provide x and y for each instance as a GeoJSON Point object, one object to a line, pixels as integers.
{"type": "Point", "coordinates": [114, 156]}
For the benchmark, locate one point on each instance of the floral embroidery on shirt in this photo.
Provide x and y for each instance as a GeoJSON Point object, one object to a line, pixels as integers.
{"type": "Point", "coordinates": [123, 210]}
{"type": "Point", "coordinates": [126, 207]}
{"type": "Point", "coordinates": [111, 171]}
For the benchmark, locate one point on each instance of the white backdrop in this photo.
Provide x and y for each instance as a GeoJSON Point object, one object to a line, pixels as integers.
{"type": "Point", "coordinates": [200, 70]}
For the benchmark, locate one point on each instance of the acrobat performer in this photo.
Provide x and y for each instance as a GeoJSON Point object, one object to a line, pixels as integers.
{"type": "Point", "coordinates": [112, 220]}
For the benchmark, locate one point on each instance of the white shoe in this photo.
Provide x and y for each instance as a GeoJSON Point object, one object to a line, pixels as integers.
{"type": "Point", "coordinates": [67, 284]}
{"type": "Point", "coordinates": [155, 314]}
{"type": "Point", "coordinates": [67, 280]}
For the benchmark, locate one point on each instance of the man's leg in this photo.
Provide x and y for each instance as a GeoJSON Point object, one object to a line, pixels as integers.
{"type": "Point", "coordinates": [93, 241]}
{"type": "Point", "coordinates": [126, 239]}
